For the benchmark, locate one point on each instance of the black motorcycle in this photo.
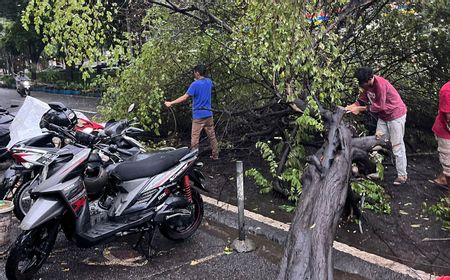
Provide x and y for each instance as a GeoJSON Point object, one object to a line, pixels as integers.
{"type": "Point", "coordinates": [156, 192]}
{"type": "Point", "coordinates": [5, 122]}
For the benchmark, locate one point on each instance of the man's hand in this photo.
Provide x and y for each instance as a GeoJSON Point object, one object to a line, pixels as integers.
{"type": "Point", "coordinates": [180, 99]}
{"type": "Point", "coordinates": [355, 109]}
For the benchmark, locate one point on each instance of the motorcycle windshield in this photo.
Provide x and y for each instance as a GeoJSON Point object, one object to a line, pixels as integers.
{"type": "Point", "coordinates": [26, 124]}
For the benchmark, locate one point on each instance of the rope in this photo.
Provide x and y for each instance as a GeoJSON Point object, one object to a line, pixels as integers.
{"type": "Point", "coordinates": [175, 125]}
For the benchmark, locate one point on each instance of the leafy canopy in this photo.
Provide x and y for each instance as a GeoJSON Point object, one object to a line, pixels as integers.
{"type": "Point", "coordinates": [84, 31]}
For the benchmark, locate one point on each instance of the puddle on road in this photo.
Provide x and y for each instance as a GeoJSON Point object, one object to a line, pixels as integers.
{"type": "Point", "coordinates": [270, 250]}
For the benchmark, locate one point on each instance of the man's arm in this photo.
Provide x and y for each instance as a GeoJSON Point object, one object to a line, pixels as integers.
{"type": "Point", "coordinates": [381, 104]}
{"type": "Point", "coordinates": [362, 99]}
{"type": "Point", "coordinates": [180, 99]}
{"type": "Point", "coordinates": [359, 105]}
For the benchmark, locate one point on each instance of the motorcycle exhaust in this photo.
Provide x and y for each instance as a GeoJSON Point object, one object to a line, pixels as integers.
{"type": "Point", "coordinates": [133, 231]}
{"type": "Point", "coordinates": [172, 207]}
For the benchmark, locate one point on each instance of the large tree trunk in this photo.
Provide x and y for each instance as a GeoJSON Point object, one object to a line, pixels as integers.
{"type": "Point", "coordinates": [308, 252]}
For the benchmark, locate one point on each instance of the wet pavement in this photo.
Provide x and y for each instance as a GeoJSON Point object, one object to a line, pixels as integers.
{"type": "Point", "coordinates": [84, 104]}
{"type": "Point", "coordinates": [202, 256]}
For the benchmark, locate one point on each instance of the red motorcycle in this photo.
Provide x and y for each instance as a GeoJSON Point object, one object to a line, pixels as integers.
{"type": "Point", "coordinates": [85, 125]}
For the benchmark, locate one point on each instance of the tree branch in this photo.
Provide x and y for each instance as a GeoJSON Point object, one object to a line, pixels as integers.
{"type": "Point", "coordinates": [188, 12]}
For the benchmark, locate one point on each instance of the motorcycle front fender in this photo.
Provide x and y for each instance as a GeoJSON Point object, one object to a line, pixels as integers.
{"type": "Point", "coordinates": [44, 209]}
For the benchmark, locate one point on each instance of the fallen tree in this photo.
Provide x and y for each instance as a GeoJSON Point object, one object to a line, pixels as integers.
{"type": "Point", "coordinates": [309, 247]}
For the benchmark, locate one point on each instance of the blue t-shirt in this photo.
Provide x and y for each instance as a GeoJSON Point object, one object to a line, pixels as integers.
{"type": "Point", "coordinates": [200, 91]}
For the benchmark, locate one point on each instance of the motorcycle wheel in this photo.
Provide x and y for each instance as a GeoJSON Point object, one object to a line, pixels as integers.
{"type": "Point", "coordinates": [3, 190]}
{"type": "Point", "coordinates": [22, 201]}
{"type": "Point", "coordinates": [30, 251]}
{"type": "Point", "coordinates": [179, 232]}
{"type": "Point", "coordinates": [27, 92]}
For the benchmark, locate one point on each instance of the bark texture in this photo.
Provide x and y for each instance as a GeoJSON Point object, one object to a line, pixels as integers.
{"type": "Point", "coordinates": [308, 251]}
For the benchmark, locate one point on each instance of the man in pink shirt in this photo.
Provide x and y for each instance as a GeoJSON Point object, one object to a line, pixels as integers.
{"type": "Point", "coordinates": [441, 129]}
{"type": "Point", "coordinates": [380, 97]}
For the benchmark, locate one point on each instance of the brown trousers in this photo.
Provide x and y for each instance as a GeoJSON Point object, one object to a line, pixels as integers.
{"type": "Point", "coordinates": [208, 124]}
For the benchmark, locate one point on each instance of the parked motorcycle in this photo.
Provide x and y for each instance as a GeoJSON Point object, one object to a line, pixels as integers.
{"type": "Point", "coordinates": [17, 180]}
{"type": "Point", "coordinates": [26, 130]}
{"type": "Point", "coordinates": [23, 85]}
{"type": "Point", "coordinates": [5, 121]}
{"type": "Point", "coordinates": [85, 125]}
{"type": "Point", "coordinates": [157, 192]}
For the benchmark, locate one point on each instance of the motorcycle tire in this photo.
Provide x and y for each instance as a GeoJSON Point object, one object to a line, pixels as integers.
{"type": "Point", "coordinates": [31, 248]}
{"type": "Point", "coordinates": [3, 190]}
{"type": "Point", "coordinates": [22, 201]}
{"type": "Point", "coordinates": [27, 92]}
{"type": "Point", "coordinates": [4, 157]}
{"type": "Point", "coordinates": [174, 232]}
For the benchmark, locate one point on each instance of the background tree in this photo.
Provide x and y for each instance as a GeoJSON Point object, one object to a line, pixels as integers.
{"type": "Point", "coordinates": [19, 47]}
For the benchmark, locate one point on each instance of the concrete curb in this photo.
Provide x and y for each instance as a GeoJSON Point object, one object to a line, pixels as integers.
{"type": "Point", "coordinates": [346, 258]}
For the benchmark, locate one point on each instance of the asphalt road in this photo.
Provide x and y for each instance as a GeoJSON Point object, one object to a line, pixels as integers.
{"type": "Point", "coordinates": [200, 257]}
{"type": "Point", "coordinates": [86, 105]}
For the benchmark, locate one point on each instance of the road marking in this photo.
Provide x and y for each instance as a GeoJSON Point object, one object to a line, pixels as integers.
{"type": "Point", "coordinates": [115, 261]}
{"type": "Point", "coordinates": [207, 258]}
{"type": "Point", "coordinates": [356, 253]}
{"type": "Point", "coordinates": [193, 262]}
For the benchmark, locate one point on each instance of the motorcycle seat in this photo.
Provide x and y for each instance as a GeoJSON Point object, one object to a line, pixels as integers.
{"type": "Point", "coordinates": [148, 167]}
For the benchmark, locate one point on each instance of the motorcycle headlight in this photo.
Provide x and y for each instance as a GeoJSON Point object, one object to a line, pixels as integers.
{"type": "Point", "coordinates": [27, 83]}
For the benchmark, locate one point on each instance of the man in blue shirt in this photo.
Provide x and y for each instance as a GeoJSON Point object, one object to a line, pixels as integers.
{"type": "Point", "coordinates": [202, 116]}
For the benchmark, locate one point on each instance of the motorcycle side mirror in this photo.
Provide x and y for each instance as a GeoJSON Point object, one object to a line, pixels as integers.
{"type": "Point", "coordinates": [131, 108]}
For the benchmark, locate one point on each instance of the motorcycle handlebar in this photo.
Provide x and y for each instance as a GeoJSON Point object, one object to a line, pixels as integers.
{"type": "Point", "coordinates": [86, 139]}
